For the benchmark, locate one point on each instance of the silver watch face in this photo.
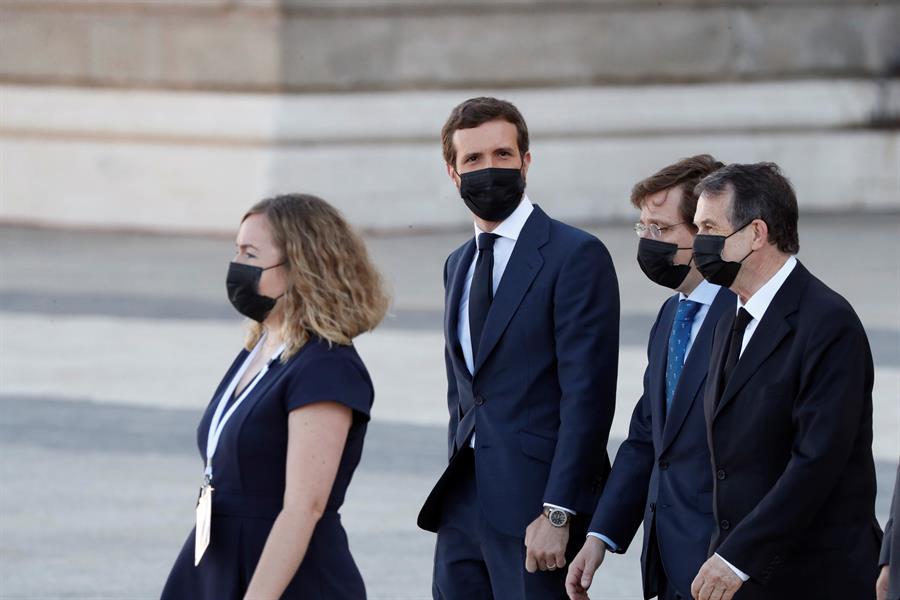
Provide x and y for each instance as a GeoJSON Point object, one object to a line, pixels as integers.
{"type": "Point", "coordinates": [558, 518]}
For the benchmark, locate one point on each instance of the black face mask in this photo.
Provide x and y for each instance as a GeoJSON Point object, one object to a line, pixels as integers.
{"type": "Point", "coordinates": [492, 194]}
{"type": "Point", "coordinates": [657, 260]}
{"type": "Point", "coordinates": [708, 258]}
{"type": "Point", "coordinates": [242, 284]}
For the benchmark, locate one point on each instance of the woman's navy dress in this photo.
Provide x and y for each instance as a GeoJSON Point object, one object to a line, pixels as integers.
{"type": "Point", "coordinates": [249, 479]}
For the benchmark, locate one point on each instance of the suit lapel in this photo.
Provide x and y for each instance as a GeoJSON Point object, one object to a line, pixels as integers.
{"type": "Point", "coordinates": [659, 354]}
{"type": "Point", "coordinates": [721, 339]}
{"type": "Point", "coordinates": [773, 328]}
{"type": "Point", "coordinates": [523, 266]}
{"type": "Point", "coordinates": [695, 367]}
{"type": "Point", "coordinates": [457, 279]}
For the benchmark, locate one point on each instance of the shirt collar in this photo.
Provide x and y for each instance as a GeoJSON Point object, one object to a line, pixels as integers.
{"type": "Point", "coordinates": [705, 293]}
{"type": "Point", "coordinates": [760, 301]}
{"type": "Point", "coordinates": [512, 226]}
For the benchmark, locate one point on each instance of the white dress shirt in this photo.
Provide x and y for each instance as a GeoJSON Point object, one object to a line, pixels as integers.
{"type": "Point", "coordinates": [705, 293]}
{"type": "Point", "coordinates": [508, 231]}
{"type": "Point", "coordinates": [757, 304]}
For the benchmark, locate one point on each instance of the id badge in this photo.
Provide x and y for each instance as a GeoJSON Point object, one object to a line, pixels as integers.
{"type": "Point", "coordinates": [204, 516]}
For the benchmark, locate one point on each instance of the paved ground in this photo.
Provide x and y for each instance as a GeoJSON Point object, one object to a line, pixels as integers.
{"type": "Point", "coordinates": [110, 345]}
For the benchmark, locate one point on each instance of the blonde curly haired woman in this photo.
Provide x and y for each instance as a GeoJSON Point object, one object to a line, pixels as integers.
{"type": "Point", "coordinates": [284, 430]}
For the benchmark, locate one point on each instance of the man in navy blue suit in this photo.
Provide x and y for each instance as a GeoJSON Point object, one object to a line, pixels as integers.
{"type": "Point", "coordinates": [532, 334]}
{"type": "Point", "coordinates": [662, 476]}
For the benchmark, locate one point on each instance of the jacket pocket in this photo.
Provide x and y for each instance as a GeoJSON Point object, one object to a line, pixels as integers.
{"type": "Point", "coordinates": [537, 446]}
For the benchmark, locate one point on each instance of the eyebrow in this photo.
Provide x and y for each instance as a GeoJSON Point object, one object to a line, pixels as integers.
{"type": "Point", "coordinates": [246, 246]}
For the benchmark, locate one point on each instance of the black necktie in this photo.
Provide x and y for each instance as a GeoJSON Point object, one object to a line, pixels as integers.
{"type": "Point", "coordinates": [737, 339]}
{"type": "Point", "coordinates": [481, 293]}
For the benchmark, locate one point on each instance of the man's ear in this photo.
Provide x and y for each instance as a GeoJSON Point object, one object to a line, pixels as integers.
{"type": "Point", "coordinates": [451, 171]}
{"type": "Point", "coordinates": [526, 162]}
{"type": "Point", "coordinates": [760, 234]}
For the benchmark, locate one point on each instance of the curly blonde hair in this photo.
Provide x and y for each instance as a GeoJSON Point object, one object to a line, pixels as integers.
{"type": "Point", "coordinates": [334, 291]}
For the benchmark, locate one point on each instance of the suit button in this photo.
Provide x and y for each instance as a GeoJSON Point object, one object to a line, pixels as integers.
{"type": "Point", "coordinates": [724, 524]}
{"type": "Point", "coordinates": [721, 474]}
{"type": "Point", "coordinates": [653, 507]}
{"type": "Point", "coordinates": [663, 465]}
{"type": "Point", "coordinates": [479, 400]}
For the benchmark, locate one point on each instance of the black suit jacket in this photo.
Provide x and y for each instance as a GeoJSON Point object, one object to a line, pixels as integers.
{"type": "Point", "coordinates": [890, 547]}
{"type": "Point", "coordinates": [790, 437]}
{"type": "Point", "coordinates": [542, 397]}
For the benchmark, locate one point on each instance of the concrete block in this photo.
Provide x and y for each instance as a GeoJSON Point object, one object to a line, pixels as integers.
{"type": "Point", "coordinates": [125, 50]}
{"type": "Point", "coordinates": [308, 119]}
{"type": "Point", "coordinates": [503, 49]}
{"type": "Point", "coordinates": [43, 47]}
{"type": "Point", "coordinates": [233, 52]}
{"type": "Point", "coordinates": [835, 40]}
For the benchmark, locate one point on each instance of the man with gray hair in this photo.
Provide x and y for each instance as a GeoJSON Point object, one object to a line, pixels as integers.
{"type": "Point", "coordinates": [788, 407]}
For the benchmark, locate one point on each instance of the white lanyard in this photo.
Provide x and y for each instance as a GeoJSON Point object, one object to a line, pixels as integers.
{"type": "Point", "coordinates": [219, 420]}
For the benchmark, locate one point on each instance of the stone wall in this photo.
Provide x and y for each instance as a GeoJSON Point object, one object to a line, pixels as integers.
{"type": "Point", "coordinates": [178, 114]}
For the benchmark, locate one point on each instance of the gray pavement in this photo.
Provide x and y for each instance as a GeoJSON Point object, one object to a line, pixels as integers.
{"type": "Point", "coordinates": [109, 343]}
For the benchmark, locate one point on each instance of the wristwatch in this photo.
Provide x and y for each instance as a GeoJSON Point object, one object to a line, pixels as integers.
{"type": "Point", "coordinates": [556, 516]}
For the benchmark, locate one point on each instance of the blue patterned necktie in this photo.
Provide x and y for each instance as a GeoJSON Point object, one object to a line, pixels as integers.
{"type": "Point", "coordinates": [678, 342]}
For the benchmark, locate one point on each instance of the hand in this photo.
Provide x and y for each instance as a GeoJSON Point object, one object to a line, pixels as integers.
{"type": "Point", "coordinates": [545, 546]}
{"type": "Point", "coordinates": [881, 586]}
{"type": "Point", "coordinates": [583, 567]}
{"type": "Point", "coordinates": [715, 581]}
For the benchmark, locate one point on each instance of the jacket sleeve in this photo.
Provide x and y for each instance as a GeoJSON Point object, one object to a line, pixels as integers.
{"type": "Point", "coordinates": [620, 510]}
{"type": "Point", "coordinates": [586, 328]}
{"type": "Point", "coordinates": [452, 394]}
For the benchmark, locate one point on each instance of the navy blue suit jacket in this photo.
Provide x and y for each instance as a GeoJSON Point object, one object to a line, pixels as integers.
{"type": "Point", "coordinates": [662, 475]}
{"type": "Point", "coordinates": [542, 396]}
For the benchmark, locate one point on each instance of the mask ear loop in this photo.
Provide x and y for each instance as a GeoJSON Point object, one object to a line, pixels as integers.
{"type": "Point", "coordinates": [734, 232]}
{"type": "Point", "coordinates": [276, 298]}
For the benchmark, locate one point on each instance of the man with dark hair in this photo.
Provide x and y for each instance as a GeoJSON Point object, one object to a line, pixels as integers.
{"type": "Point", "coordinates": [661, 476]}
{"type": "Point", "coordinates": [532, 333]}
{"type": "Point", "coordinates": [788, 407]}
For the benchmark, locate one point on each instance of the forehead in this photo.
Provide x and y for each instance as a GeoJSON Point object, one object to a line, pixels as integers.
{"type": "Point", "coordinates": [255, 231]}
{"type": "Point", "coordinates": [713, 207]}
{"type": "Point", "coordinates": [485, 137]}
{"type": "Point", "coordinates": [663, 205]}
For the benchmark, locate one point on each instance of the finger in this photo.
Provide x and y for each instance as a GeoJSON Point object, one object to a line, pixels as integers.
{"type": "Point", "coordinates": [530, 562]}
{"type": "Point", "coordinates": [561, 558]}
{"type": "Point", "coordinates": [696, 585]}
{"type": "Point", "coordinates": [587, 575]}
{"type": "Point", "coordinates": [718, 594]}
{"type": "Point", "coordinates": [572, 581]}
{"type": "Point", "coordinates": [706, 591]}
{"type": "Point", "coordinates": [544, 564]}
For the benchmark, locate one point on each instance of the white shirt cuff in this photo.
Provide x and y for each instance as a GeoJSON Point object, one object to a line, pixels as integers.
{"type": "Point", "coordinates": [568, 510]}
{"type": "Point", "coordinates": [738, 572]}
{"type": "Point", "coordinates": [609, 543]}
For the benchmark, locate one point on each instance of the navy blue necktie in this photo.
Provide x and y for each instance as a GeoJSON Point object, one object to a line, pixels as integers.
{"type": "Point", "coordinates": [481, 292]}
{"type": "Point", "coordinates": [678, 342]}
